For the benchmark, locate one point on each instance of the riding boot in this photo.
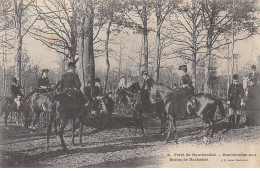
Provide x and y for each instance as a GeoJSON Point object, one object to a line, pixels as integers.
{"type": "Point", "coordinates": [237, 121]}
{"type": "Point", "coordinates": [230, 122]}
{"type": "Point", "coordinates": [233, 121]}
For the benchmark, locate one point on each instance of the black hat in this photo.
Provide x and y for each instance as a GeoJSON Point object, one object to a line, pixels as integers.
{"type": "Point", "coordinates": [14, 80]}
{"type": "Point", "coordinates": [144, 73]}
{"type": "Point", "coordinates": [71, 64]}
{"type": "Point", "coordinates": [97, 80]}
{"type": "Point", "coordinates": [183, 67]}
{"type": "Point", "coordinates": [123, 76]}
{"type": "Point", "coordinates": [235, 77]}
{"type": "Point", "coordinates": [45, 70]}
{"type": "Point", "coordinates": [253, 67]}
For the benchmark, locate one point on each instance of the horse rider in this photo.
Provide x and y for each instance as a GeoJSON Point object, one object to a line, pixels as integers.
{"type": "Point", "coordinates": [16, 93]}
{"type": "Point", "coordinates": [235, 94]}
{"type": "Point", "coordinates": [146, 87]}
{"type": "Point", "coordinates": [43, 82]}
{"type": "Point", "coordinates": [186, 82]}
{"type": "Point", "coordinates": [254, 76]}
{"type": "Point", "coordinates": [122, 83]}
{"type": "Point", "coordinates": [70, 84]}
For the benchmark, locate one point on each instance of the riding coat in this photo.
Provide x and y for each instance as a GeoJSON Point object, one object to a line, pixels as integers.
{"type": "Point", "coordinates": [70, 84]}
{"type": "Point", "coordinates": [148, 84]}
{"type": "Point", "coordinates": [235, 94]}
{"type": "Point", "coordinates": [15, 91]}
{"type": "Point", "coordinates": [185, 80]}
{"type": "Point", "coordinates": [97, 91]}
{"type": "Point", "coordinates": [43, 82]}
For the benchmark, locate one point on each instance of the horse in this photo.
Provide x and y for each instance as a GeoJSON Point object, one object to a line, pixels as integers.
{"type": "Point", "coordinates": [157, 95]}
{"type": "Point", "coordinates": [9, 106]}
{"type": "Point", "coordinates": [125, 101]}
{"type": "Point", "coordinates": [40, 103]}
{"type": "Point", "coordinates": [205, 106]}
{"type": "Point", "coordinates": [63, 109]}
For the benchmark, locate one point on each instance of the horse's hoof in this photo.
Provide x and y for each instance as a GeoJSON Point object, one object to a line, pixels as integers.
{"type": "Point", "coordinates": [176, 141]}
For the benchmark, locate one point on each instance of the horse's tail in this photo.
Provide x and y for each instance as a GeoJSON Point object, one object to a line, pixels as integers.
{"type": "Point", "coordinates": [221, 108]}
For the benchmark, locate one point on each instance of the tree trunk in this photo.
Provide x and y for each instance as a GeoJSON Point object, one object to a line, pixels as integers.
{"type": "Point", "coordinates": [107, 57]}
{"type": "Point", "coordinates": [4, 79]}
{"type": "Point", "coordinates": [18, 57]}
{"type": "Point", "coordinates": [88, 54]}
{"type": "Point", "coordinates": [158, 43]}
{"type": "Point", "coordinates": [207, 70]}
{"type": "Point", "coordinates": [145, 35]}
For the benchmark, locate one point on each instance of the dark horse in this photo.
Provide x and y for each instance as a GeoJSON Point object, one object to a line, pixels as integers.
{"type": "Point", "coordinates": [40, 103]}
{"type": "Point", "coordinates": [163, 102]}
{"type": "Point", "coordinates": [157, 107]}
{"type": "Point", "coordinates": [9, 106]}
{"type": "Point", "coordinates": [205, 106]}
{"type": "Point", "coordinates": [65, 108]}
{"type": "Point", "coordinates": [123, 98]}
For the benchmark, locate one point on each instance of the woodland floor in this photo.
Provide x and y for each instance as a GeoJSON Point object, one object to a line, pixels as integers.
{"type": "Point", "coordinates": [117, 146]}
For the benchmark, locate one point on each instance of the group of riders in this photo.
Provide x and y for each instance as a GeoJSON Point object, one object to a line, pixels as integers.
{"type": "Point", "coordinates": [70, 84]}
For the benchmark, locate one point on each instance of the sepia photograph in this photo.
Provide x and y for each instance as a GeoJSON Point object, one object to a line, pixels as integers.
{"type": "Point", "coordinates": [129, 84]}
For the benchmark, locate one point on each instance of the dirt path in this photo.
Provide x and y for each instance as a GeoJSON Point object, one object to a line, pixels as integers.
{"type": "Point", "coordinates": [116, 147]}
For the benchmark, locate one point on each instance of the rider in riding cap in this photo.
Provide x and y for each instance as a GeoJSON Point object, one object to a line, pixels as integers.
{"type": "Point", "coordinates": [43, 82]}
{"type": "Point", "coordinates": [254, 76]}
{"type": "Point", "coordinates": [70, 84]}
{"type": "Point", "coordinates": [147, 84]}
{"type": "Point", "coordinates": [186, 82]}
{"type": "Point", "coordinates": [235, 94]}
{"type": "Point", "coordinates": [16, 93]}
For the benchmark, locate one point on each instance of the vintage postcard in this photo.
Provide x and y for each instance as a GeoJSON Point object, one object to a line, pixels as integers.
{"type": "Point", "coordinates": [129, 84]}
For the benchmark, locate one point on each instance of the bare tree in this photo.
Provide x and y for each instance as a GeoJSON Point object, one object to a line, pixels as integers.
{"type": "Point", "coordinates": [162, 9]}
{"type": "Point", "coordinates": [58, 26]}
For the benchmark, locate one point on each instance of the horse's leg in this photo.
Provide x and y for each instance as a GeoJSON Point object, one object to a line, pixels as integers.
{"type": "Point", "coordinates": [49, 131]}
{"type": "Point", "coordinates": [140, 118]}
{"type": "Point", "coordinates": [135, 119]}
{"type": "Point", "coordinates": [169, 128]}
{"type": "Point", "coordinates": [36, 119]}
{"type": "Point", "coordinates": [213, 129]}
{"type": "Point", "coordinates": [209, 128]}
{"type": "Point", "coordinates": [11, 117]}
{"type": "Point", "coordinates": [55, 126]}
{"type": "Point", "coordinates": [61, 131]}
{"type": "Point", "coordinates": [6, 117]}
{"type": "Point", "coordinates": [80, 132]}
{"type": "Point", "coordinates": [175, 132]}
{"type": "Point", "coordinates": [73, 131]}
